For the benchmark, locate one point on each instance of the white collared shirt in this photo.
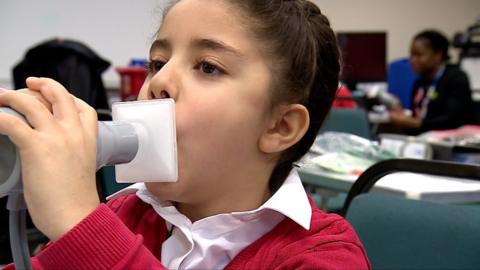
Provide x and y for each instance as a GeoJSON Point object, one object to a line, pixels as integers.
{"type": "Point", "coordinates": [212, 242]}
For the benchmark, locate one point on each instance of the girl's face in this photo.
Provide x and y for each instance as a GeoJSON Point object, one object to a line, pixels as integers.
{"type": "Point", "coordinates": [205, 59]}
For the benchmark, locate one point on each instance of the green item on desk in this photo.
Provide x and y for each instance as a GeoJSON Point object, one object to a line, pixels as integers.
{"type": "Point", "coordinates": [333, 142]}
{"type": "Point", "coordinates": [344, 153]}
{"type": "Point", "coordinates": [377, 155]}
{"type": "Point", "coordinates": [342, 162]}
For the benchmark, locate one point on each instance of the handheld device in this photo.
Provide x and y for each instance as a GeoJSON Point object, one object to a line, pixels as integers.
{"type": "Point", "coordinates": [140, 142]}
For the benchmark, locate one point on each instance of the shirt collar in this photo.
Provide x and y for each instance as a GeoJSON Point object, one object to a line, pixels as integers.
{"type": "Point", "coordinates": [290, 200]}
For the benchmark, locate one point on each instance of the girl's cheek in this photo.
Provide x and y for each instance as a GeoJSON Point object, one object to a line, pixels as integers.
{"type": "Point", "coordinates": [179, 123]}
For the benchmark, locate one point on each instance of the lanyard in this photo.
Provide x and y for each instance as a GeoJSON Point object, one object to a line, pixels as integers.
{"type": "Point", "coordinates": [430, 94]}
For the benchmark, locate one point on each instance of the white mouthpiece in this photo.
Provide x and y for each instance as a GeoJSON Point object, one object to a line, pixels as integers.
{"type": "Point", "coordinates": [154, 123]}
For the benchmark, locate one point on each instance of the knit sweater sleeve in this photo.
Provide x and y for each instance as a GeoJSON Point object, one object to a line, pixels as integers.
{"type": "Point", "coordinates": [100, 241]}
{"type": "Point", "coordinates": [330, 243]}
{"type": "Point", "coordinates": [335, 255]}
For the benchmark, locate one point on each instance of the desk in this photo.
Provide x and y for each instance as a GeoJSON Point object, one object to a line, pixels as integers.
{"type": "Point", "coordinates": [405, 184]}
{"type": "Point", "coordinates": [318, 178]}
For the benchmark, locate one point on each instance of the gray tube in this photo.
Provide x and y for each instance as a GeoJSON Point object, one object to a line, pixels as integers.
{"type": "Point", "coordinates": [117, 143]}
{"type": "Point", "coordinates": [18, 231]}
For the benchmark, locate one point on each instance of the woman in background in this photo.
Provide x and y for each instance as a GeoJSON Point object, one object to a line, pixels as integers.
{"type": "Point", "coordinates": [441, 96]}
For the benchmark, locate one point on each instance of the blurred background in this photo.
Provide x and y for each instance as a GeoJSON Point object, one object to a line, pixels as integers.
{"type": "Point", "coordinates": [119, 30]}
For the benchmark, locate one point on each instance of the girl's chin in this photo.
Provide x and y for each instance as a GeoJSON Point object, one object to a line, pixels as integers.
{"type": "Point", "coordinates": [160, 189]}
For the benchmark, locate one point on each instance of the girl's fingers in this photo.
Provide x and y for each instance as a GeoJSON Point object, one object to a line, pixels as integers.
{"type": "Point", "coordinates": [63, 106]}
{"type": "Point", "coordinates": [88, 117]}
{"type": "Point", "coordinates": [37, 115]}
{"type": "Point", "coordinates": [17, 130]}
{"type": "Point", "coordinates": [37, 95]}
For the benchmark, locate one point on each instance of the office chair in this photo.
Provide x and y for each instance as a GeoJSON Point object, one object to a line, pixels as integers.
{"type": "Point", "coordinates": [400, 233]}
{"type": "Point", "coordinates": [353, 121]}
{"type": "Point", "coordinates": [440, 168]}
{"type": "Point", "coordinates": [73, 64]}
{"type": "Point", "coordinates": [400, 79]}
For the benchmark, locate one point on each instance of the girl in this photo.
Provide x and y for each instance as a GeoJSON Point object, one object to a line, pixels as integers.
{"type": "Point", "coordinates": [252, 82]}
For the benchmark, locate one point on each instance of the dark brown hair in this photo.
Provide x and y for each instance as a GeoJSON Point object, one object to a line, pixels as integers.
{"type": "Point", "coordinates": [306, 63]}
{"type": "Point", "coordinates": [298, 39]}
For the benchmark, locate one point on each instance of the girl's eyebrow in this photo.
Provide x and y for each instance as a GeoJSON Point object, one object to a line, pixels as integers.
{"type": "Point", "coordinates": [215, 45]}
{"type": "Point", "coordinates": [160, 44]}
{"type": "Point", "coordinates": [199, 44]}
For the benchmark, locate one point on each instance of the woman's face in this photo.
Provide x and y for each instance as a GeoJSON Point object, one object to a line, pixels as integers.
{"type": "Point", "coordinates": [206, 60]}
{"type": "Point", "coordinates": [423, 58]}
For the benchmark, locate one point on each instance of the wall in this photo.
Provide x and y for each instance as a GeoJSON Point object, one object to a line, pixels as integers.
{"type": "Point", "coordinates": [121, 29]}
{"type": "Point", "coordinates": [116, 29]}
{"type": "Point", "coordinates": [401, 19]}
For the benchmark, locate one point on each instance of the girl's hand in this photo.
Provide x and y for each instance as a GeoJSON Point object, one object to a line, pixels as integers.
{"type": "Point", "coordinates": [37, 95]}
{"type": "Point", "coordinates": [57, 152]}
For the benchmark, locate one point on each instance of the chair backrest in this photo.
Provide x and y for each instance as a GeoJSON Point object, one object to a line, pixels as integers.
{"type": "Point", "coordinates": [400, 79]}
{"type": "Point", "coordinates": [72, 63]}
{"type": "Point", "coordinates": [375, 172]}
{"type": "Point", "coordinates": [410, 234]}
{"type": "Point", "coordinates": [353, 121]}
{"type": "Point", "coordinates": [399, 233]}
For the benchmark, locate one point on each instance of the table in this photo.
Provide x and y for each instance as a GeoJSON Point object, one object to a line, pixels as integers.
{"type": "Point", "coordinates": [409, 185]}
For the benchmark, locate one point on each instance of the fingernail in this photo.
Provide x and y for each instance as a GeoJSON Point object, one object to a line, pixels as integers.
{"type": "Point", "coordinates": [31, 78]}
{"type": "Point", "coordinates": [3, 90]}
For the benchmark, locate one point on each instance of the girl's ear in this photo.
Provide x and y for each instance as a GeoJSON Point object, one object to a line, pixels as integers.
{"type": "Point", "coordinates": [286, 127]}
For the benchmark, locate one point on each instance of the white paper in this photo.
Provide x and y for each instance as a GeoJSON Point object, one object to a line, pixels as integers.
{"type": "Point", "coordinates": [471, 66]}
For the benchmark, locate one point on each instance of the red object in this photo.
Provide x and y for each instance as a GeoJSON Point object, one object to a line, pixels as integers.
{"type": "Point", "coordinates": [128, 234]}
{"type": "Point", "coordinates": [343, 99]}
{"type": "Point", "coordinates": [131, 80]}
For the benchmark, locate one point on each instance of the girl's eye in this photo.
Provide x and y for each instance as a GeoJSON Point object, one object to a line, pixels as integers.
{"type": "Point", "coordinates": [154, 66]}
{"type": "Point", "coordinates": [209, 69]}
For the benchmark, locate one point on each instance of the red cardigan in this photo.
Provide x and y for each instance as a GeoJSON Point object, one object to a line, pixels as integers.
{"type": "Point", "coordinates": [127, 234]}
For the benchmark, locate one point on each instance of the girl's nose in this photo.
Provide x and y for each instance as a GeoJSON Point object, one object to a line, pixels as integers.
{"type": "Point", "coordinates": [158, 94]}
{"type": "Point", "coordinates": [164, 84]}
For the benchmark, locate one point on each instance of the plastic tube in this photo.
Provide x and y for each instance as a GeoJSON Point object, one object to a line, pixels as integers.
{"type": "Point", "coordinates": [18, 231]}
